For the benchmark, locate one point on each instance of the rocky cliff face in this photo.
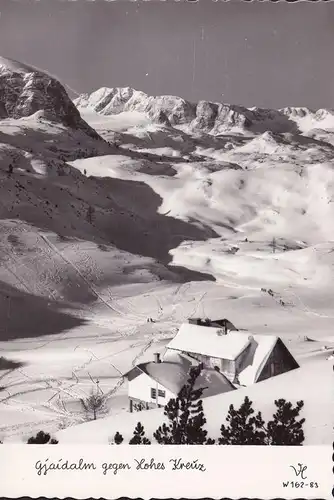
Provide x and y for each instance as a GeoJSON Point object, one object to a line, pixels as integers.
{"type": "Point", "coordinates": [25, 90]}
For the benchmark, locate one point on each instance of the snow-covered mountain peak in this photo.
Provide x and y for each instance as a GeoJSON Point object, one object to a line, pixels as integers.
{"type": "Point", "coordinates": [25, 90]}
{"type": "Point", "coordinates": [210, 117]}
{"type": "Point", "coordinates": [166, 109]}
{"type": "Point", "coordinates": [10, 65]}
{"type": "Point", "coordinates": [110, 101]}
{"type": "Point", "coordinates": [298, 112]}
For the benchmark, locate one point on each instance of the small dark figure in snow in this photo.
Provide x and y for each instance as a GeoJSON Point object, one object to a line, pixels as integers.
{"type": "Point", "coordinates": [10, 169]}
{"type": "Point", "coordinates": [85, 171]}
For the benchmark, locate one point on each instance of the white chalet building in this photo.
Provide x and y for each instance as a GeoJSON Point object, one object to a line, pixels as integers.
{"type": "Point", "coordinates": [243, 358]}
{"type": "Point", "coordinates": [153, 384]}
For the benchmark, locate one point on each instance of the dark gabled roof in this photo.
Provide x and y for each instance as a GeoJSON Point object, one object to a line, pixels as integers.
{"type": "Point", "coordinates": [133, 373]}
{"type": "Point", "coordinates": [224, 322]}
{"type": "Point", "coordinates": [173, 373]}
{"type": "Point", "coordinates": [211, 322]}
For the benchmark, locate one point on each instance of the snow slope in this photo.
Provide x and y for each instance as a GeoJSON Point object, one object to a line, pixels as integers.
{"type": "Point", "coordinates": [179, 210]}
{"type": "Point", "coordinates": [293, 386]}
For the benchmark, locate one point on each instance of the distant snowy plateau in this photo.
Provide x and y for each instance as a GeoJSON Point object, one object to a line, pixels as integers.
{"type": "Point", "coordinates": [120, 206]}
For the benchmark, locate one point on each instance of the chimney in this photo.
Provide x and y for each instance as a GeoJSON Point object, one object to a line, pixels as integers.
{"type": "Point", "coordinates": [225, 327]}
{"type": "Point", "coordinates": [157, 357]}
{"type": "Point", "coordinates": [223, 330]}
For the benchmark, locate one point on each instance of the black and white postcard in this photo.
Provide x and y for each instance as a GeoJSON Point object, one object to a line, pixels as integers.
{"type": "Point", "coordinates": [166, 248]}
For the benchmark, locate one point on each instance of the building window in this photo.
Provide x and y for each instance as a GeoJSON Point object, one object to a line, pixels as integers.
{"type": "Point", "coordinates": [161, 394]}
{"type": "Point", "coordinates": [228, 366]}
{"type": "Point", "coordinates": [277, 367]}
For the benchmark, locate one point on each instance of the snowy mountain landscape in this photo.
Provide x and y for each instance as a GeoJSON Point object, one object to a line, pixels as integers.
{"type": "Point", "coordinates": [118, 207]}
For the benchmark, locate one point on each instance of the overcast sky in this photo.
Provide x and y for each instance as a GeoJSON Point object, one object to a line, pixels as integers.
{"type": "Point", "coordinates": [255, 54]}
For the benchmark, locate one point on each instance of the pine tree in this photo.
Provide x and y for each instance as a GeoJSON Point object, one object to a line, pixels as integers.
{"type": "Point", "coordinates": [185, 415]}
{"type": "Point", "coordinates": [42, 438]}
{"type": "Point", "coordinates": [285, 429]}
{"type": "Point", "coordinates": [10, 169]}
{"type": "Point", "coordinates": [138, 406]}
{"type": "Point", "coordinates": [243, 427]}
{"type": "Point", "coordinates": [139, 435]}
{"type": "Point", "coordinates": [118, 438]}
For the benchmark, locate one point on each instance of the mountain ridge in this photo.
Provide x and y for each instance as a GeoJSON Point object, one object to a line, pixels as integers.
{"type": "Point", "coordinates": [213, 117]}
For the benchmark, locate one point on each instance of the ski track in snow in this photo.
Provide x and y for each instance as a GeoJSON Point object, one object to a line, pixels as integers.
{"type": "Point", "coordinates": [77, 271]}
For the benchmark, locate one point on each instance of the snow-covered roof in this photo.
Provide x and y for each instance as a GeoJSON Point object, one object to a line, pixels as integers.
{"type": "Point", "coordinates": [173, 373]}
{"type": "Point", "coordinates": [209, 341]}
{"type": "Point", "coordinates": [212, 342]}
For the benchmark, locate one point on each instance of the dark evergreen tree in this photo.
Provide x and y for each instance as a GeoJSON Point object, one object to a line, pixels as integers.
{"type": "Point", "coordinates": [285, 429]}
{"type": "Point", "coordinates": [118, 438]}
{"type": "Point", "coordinates": [42, 438]}
{"type": "Point", "coordinates": [10, 169]}
{"type": "Point", "coordinates": [185, 415]}
{"type": "Point", "coordinates": [138, 406]}
{"type": "Point", "coordinates": [139, 435]}
{"type": "Point", "coordinates": [243, 427]}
